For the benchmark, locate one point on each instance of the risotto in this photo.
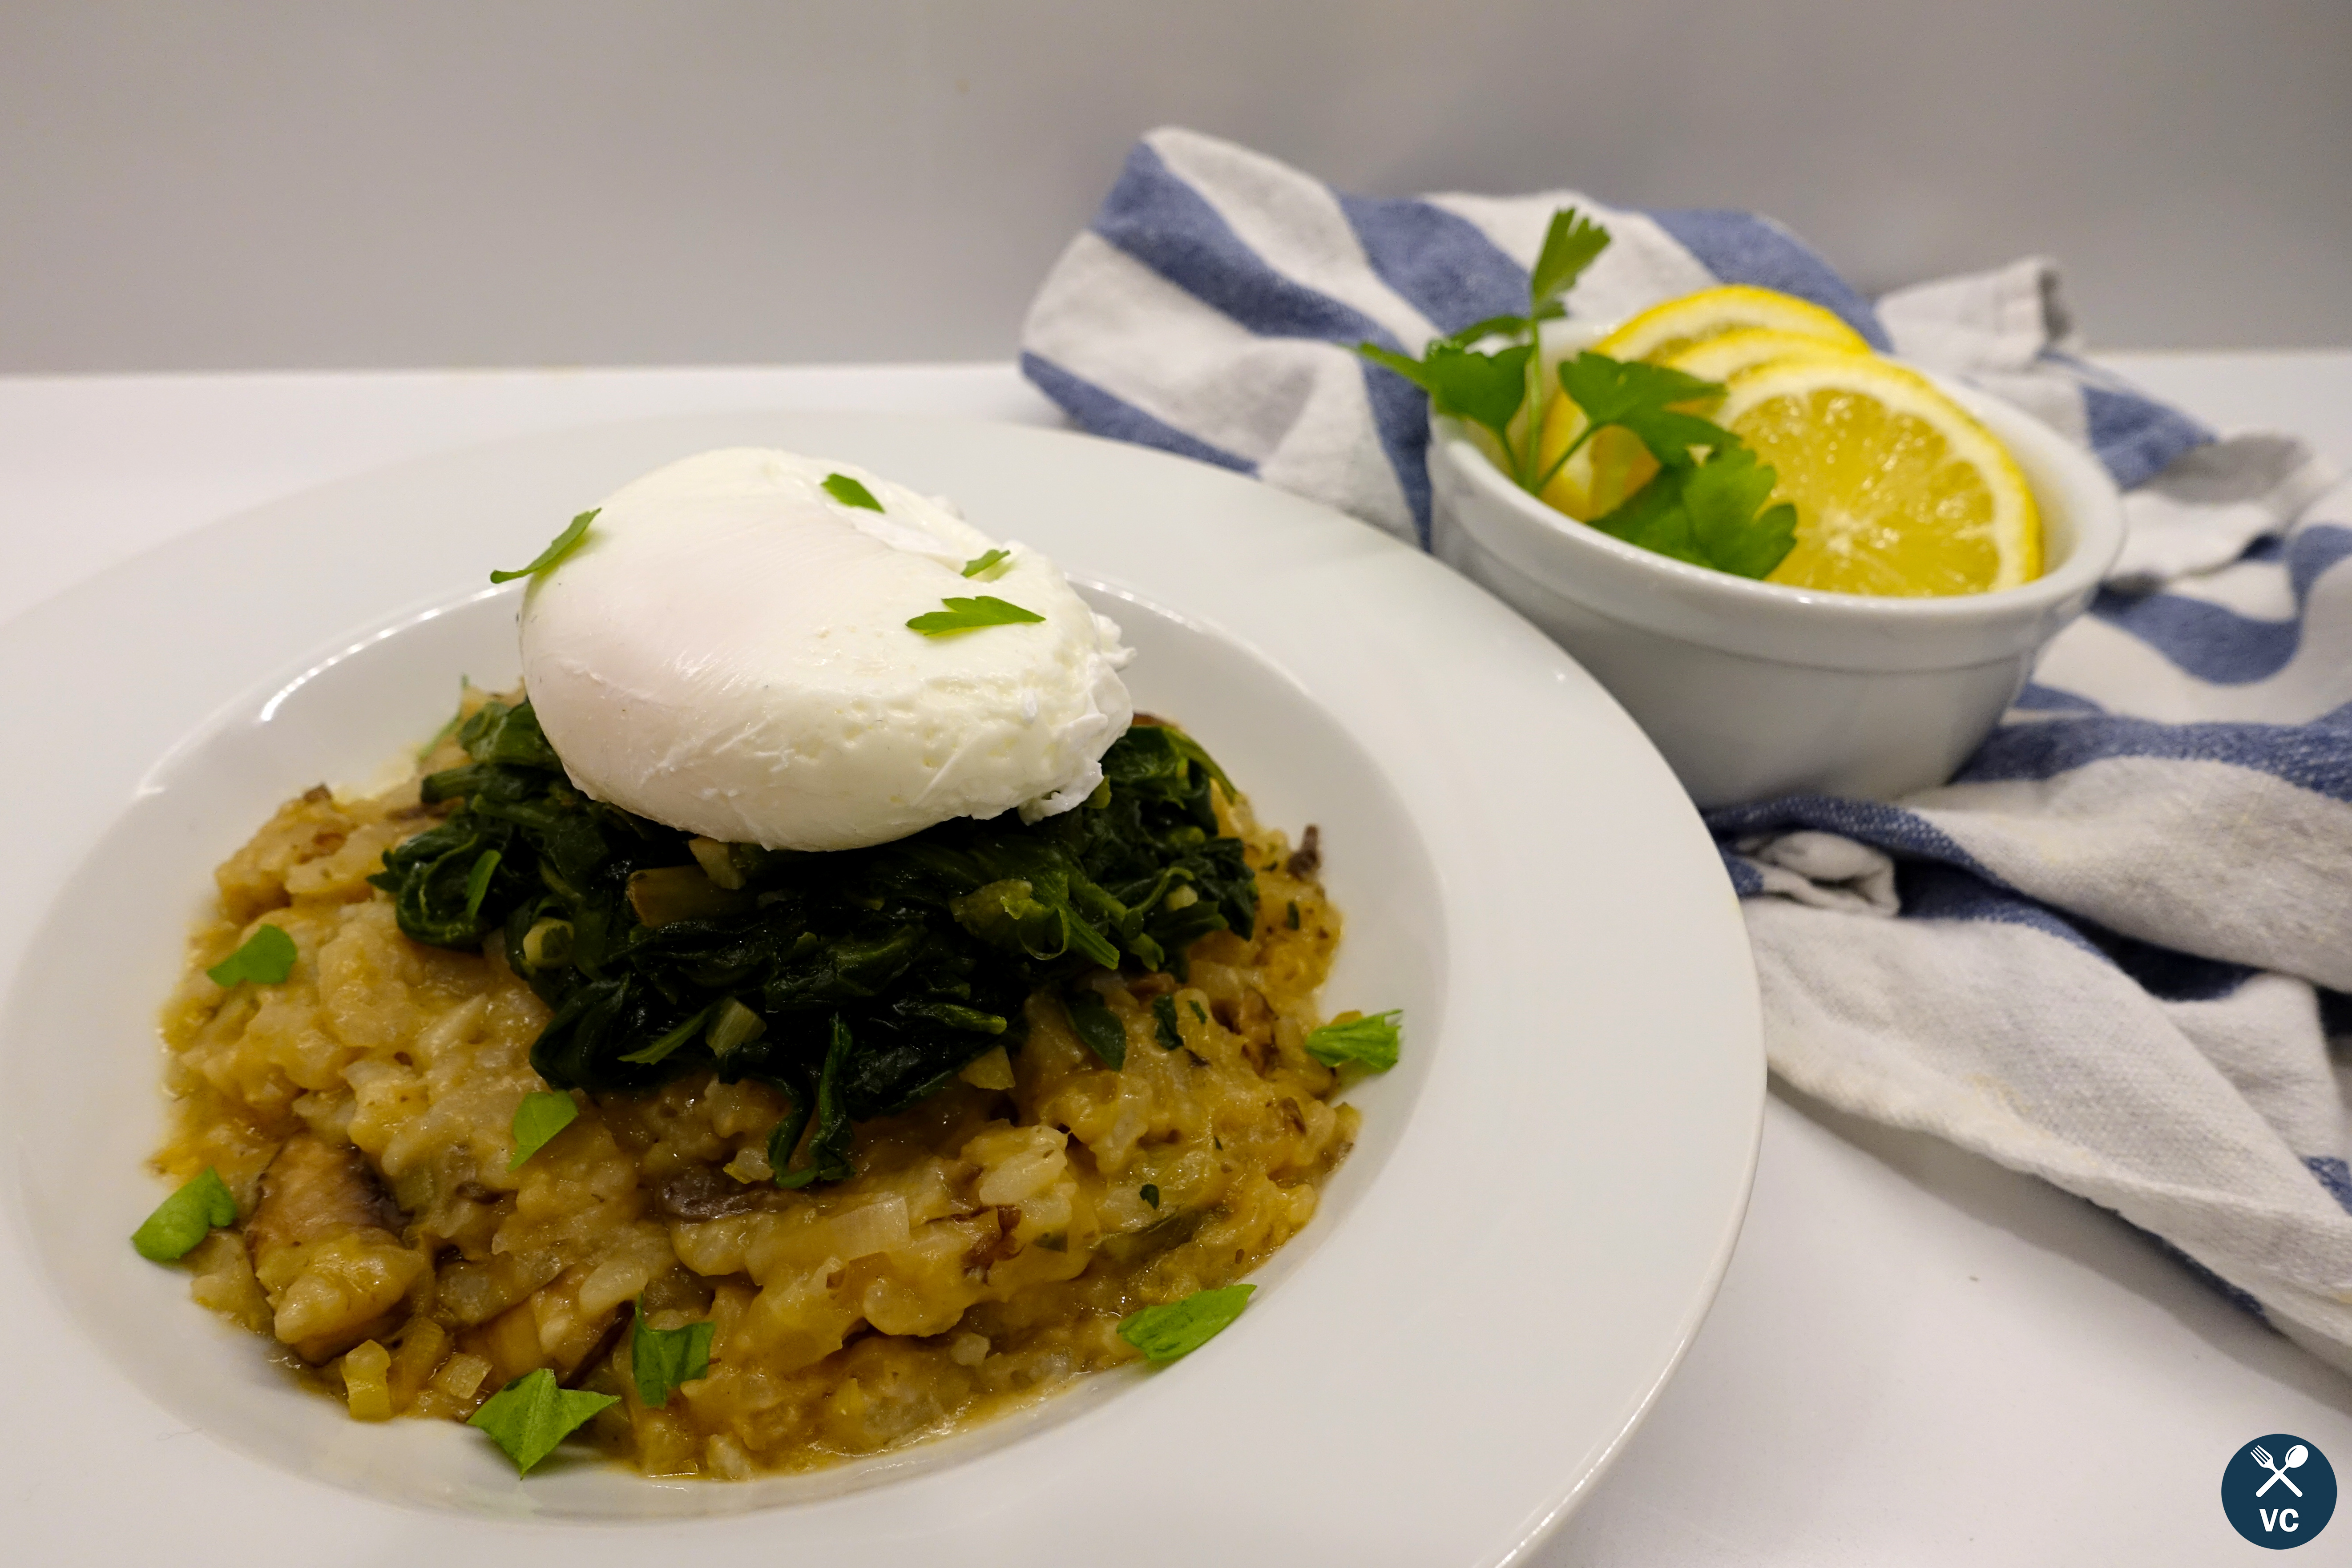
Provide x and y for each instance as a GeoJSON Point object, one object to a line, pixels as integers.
{"type": "Point", "coordinates": [403, 1252]}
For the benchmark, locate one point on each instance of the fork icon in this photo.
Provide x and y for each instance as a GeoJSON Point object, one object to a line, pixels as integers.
{"type": "Point", "coordinates": [2294, 1455]}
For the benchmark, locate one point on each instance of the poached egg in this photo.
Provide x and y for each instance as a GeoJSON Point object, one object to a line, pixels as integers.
{"type": "Point", "coordinates": [727, 651]}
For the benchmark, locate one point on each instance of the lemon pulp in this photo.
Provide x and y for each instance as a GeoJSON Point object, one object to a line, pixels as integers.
{"type": "Point", "coordinates": [1898, 491]}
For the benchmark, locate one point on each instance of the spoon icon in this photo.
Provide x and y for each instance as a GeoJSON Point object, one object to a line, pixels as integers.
{"type": "Point", "coordinates": [2294, 1455]}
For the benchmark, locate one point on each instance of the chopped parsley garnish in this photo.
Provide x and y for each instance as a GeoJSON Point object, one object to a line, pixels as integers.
{"type": "Point", "coordinates": [970, 615]}
{"type": "Point", "coordinates": [1291, 919]}
{"type": "Point", "coordinates": [531, 1415]}
{"type": "Point", "coordinates": [1098, 1025]}
{"type": "Point", "coordinates": [1369, 1043]}
{"type": "Point", "coordinates": [979, 564]}
{"type": "Point", "coordinates": [661, 1359]}
{"type": "Point", "coordinates": [1199, 1012]}
{"type": "Point", "coordinates": [1149, 1193]}
{"type": "Point", "coordinates": [563, 544]}
{"type": "Point", "coordinates": [539, 1118]}
{"type": "Point", "coordinates": [1163, 1018]}
{"type": "Point", "coordinates": [1709, 513]}
{"type": "Point", "coordinates": [849, 492]}
{"type": "Point", "coordinates": [185, 1218]}
{"type": "Point", "coordinates": [266, 959]}
{"type": "Point", "coordinates": [1179, 1328]}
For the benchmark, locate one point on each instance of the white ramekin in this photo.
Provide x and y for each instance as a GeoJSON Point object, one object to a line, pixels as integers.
{"type": "Point", "coordinates": [1752, 690]}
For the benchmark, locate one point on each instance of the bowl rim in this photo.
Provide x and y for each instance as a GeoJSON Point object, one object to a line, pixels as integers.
{"type": "Point", "coordinates": [2093, 502]}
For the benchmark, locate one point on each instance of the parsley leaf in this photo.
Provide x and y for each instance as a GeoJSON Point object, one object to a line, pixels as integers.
{"type": "Point", "coordinates": [970, 614]}
{"type": "Point", "coordinates": [1370, 1043]}
{"type": "Point", "coordinates": [1179, 1328]}
{"type": "Point", "coordinates": [661, 1359]}
{"type": "Point", "coordinates": [550, 558]}
{"type": "Point", "coordinates": [1636, 396]}
{"type": "Point", "coordinates": [1571, 245]}
{"type": "Point", "coordinates": [539, 1118]}
{"type": "Point", "coordinates": [185, 1218]}
{"type": "Point", "coordinates": [1712, 515]}
{"type": "Point", "coordinates": [531, 1415]}
{"type": "Point", "coordinates": [1483, 388]}
{"type": "Point", "coordinates": [1149, 1193]}
{"type": "Point", "coordinates": [1163, 1018]}
{"type": "Point", "coordinates": [1726, 499]}
{"type": "Point", "coordinates": [1093, 1022]}
{"type": "Point", "coordinates": [849, 492]}
{"type": "Point", "coordinates": [266, 959]}
{"type": "Point", "coordinates": [1505, 326]}
{"type": "Point", "coordinates": [1492, 389]}
{"type": "Point", "coordinates": [979, 564]}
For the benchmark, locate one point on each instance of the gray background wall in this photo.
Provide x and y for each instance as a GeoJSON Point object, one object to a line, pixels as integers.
{"type": "Point", "coordinates": [507, 182]}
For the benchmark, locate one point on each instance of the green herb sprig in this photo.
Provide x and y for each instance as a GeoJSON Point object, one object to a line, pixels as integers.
{"type": "Point", "coordinates": [970, 615]}
{"type": "Point", "coordinates": [562, 544]}
{"type": "Point", "coordinates": [1709, 502]}
{"type": "Point", "coordinates": [538, 1118]}
{"type": "Point", "coordinates": [185, 1218]}
{"type": "Point", "coordinates": [267, 958]}
{"type": "Point", "coordinates": [1179, 1328]}
{"type": "Point", "coordinates": [661, 1359]}
{"type": "Point", "coordinates": [849, 492]}
{"type": "Point", "coordinates": [530, 1415]}
{"type": "Point", "coordinates": [1370, 1043]}
{"type": "Point", "coordinates": [1098, 1025]}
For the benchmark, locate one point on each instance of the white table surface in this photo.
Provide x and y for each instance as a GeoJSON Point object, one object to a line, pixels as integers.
{"type": "Point", "coordinates": [1917, 1357]}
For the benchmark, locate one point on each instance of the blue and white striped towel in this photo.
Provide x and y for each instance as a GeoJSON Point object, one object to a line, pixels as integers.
{"type": "Point", "coordinates": [2114, 951]}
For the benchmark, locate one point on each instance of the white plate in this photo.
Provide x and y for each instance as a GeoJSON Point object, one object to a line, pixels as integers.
{"type": "Point", "coordinates": [1501, 1278]}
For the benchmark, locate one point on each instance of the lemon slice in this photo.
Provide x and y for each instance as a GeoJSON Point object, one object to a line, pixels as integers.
{"type": "Point", "coordinates": [1666, 330]}
{"type": "Point", "coordinates": [1726, 356]}
{"type": "Point", "coordinates": [1609, 468]}
{"type": "Point", "coordinates": [1898, 491]}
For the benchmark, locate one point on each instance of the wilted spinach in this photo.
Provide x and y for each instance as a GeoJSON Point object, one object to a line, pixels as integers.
{"type": "Point", "coordinates": [855, 982]}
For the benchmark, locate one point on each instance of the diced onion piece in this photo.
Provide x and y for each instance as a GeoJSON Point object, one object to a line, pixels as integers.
{"type": "Point", "coordinates": [461, 1375]}
{"type": "Point", "coordinates": [870, 1227]}
{"type": "Point", "coordinates": [366, 1381]}
{"type": "Point", "coordinates": [993, 1070]}
{"type": "Point", "coordinates": [733, 1026]}
{"type": "Point", "coordinates": [751, 1165]}
{"type": "Point", "coordinates": [667, 893]}
{"type": "Point", "coordinates": [717, 862]}
{"type": "Point", "coordinates": [548, 943]}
